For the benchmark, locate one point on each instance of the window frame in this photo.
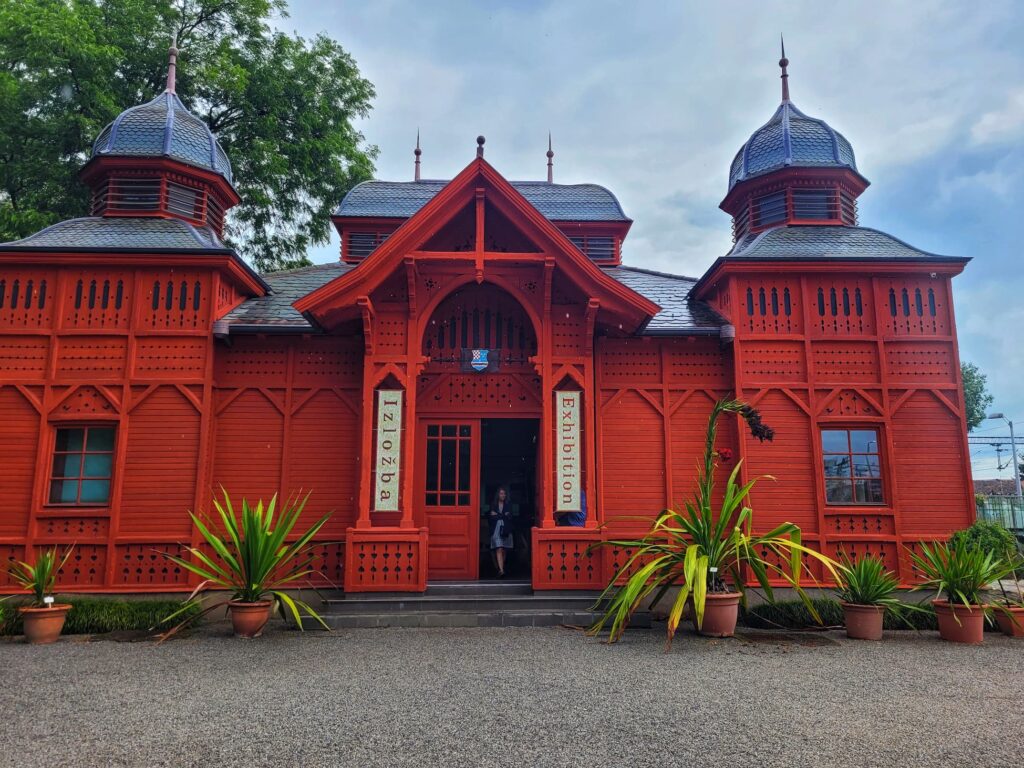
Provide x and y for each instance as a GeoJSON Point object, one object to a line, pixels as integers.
{"type": "Point", "coordinates": [53, 452]}
{"type": "Point", "coordinates": [879, 453]}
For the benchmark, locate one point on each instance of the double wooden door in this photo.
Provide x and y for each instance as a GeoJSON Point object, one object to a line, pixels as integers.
{"type": "Point", "coordinates": [449, 496]}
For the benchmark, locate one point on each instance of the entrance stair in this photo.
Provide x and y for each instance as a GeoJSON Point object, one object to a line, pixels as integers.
{"type": "Point", "coordinates": [466, 604]}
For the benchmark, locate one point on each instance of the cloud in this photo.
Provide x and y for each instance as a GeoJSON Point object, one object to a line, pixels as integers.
{"type": "Point", "coordinates": [1001, 125]}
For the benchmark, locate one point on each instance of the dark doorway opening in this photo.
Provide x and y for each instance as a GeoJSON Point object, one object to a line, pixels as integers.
{"type": "Point", "coordinates": [508, 458]}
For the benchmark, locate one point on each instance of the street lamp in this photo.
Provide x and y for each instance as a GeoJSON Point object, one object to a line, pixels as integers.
{"type": "Point", "coordinates": [1013, 450]}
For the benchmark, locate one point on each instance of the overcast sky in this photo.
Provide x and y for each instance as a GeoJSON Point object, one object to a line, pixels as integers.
{"type": "Point", "coordinates": [652, 100]}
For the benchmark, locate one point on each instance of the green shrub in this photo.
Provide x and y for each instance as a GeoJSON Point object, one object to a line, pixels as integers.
{"type": "Point", "coordinates": [793, 614]}
{"type": "Point", "coordinates": [92, 616]}
{"type": "Point", "coordinates": [990, 536]}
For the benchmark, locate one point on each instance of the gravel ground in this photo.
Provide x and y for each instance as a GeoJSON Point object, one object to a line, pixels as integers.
{"type": "Point", "coordinates": [512, 697]}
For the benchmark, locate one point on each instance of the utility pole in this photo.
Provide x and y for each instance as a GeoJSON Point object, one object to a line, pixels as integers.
{"type": "Point", "coordinates": [1013, 453]}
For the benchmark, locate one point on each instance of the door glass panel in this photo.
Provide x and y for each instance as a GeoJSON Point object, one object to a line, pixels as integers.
{"type": "Point", "coordinates": [448, 464]}
{"type": "Point", "coordinates": [448, 430]}
{"type": "Point", "coordinates": [464, 465]}
{"type": "Point", "coordinates": [432, 465]}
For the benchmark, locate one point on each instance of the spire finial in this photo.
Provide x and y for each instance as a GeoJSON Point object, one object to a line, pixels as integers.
{"type": "Point", "coordinates": [417, 152]}
{"type": "Point", "coordinates": [480, 146]}
{"type": "Point", "coordinates": [551, 154]}
{"type": "Point", "coordinates": [172, 63]}
{"type": "Point", "coordinates": [784, 62]}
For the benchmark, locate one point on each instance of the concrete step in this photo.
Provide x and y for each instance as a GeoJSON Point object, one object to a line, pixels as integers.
{"type": "Point", "coordinates": [510, 618]}
{"type": "Point", "coordinates": [463, 588]}
{"type": "Point", "coordinates": [369, 603]}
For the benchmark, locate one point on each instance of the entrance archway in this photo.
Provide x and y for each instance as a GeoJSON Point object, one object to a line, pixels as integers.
{"type": "Point", "coordinates": [478, 386]}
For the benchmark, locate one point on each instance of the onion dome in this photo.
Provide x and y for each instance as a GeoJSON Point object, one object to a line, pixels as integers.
{"type": "Point", "coordinates": [790, 139]}
{"type": "Point", "coordinates": [163, 127]}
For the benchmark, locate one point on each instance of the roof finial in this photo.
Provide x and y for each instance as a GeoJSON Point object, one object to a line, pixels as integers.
{"type": "Point", "coordinates": [480, 146]}
{"type": "Point", "coordinates": [172, 62]}
{"type": "Point", "coordinates": [417, 152]}
{"type": "Point", "coordinates": [784, 62]}
{"type": "Point", "coordinates": [551, 171]}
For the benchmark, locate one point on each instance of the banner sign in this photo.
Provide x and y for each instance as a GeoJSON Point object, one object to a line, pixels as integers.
{"type": "Point", "coordinates": [481, 360]}
{"type": "Point", "coordinates": [389, 445]}
{"type": "Point", "coordinates": [567, 451]}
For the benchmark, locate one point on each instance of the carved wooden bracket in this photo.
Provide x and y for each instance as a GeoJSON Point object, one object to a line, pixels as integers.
{"type": "Point", "coordinates": [369, 323]}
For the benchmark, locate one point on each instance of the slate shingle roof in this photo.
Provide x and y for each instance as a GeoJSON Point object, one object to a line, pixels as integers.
{"type": "Point", "coordinates": [828, 242]}
{"type": "Point", "coordinates": [791, 138]}
{"type": "Point", "coordinates": [163, 127]}
{"type": "Point", "coordinates": [275, 311]}
{"type": "Point", "coordinates": [121, 233]}
{"type": "Point", "coordinates": [556, 202]}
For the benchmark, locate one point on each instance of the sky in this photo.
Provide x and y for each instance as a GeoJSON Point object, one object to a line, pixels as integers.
{"type": "Point", "coordinates": [653, 99]}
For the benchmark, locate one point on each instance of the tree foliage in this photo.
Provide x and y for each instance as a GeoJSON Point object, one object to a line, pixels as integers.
{"type": "Point", "coordinates": [977, 398]}
{"type": "Point", "coordinates": [282, 106]}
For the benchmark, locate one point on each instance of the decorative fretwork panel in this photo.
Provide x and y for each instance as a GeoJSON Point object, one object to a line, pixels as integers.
{"type": "Point", "coordinates": [27, 298]}
{"type": "Point", "coordinates": [144, 565]}
{"type": "Point", "coordinates": [9, 553]}
{"type": "Point", "coordinates": [920, 360]}
{"type": "Point", "coordinates": [83, 402]}
{"type": "Point", "coordinates": [86, 566]}
{"type": "Point", "coordinates": [329, 564]}
{"type": "Point", "coordinates": [848, 403]}
{"type": "Point", "coordinates": [861, 524]}
{"type": "Point", "coordinates": [73, 528]}
{"type": "Point", "coordinates": [328, 362]}
{"type": "Point", "coordinates": [886, 551]}
{"type": "Point", "coordinates": [479, 317]}
{"type": "Point", "coordinates": [384, 565]}
{"type": "Point", "coordinates": [566, 564]}
{"type": "Point", "coordinates": [700, 363]}
{"type": "Point", "coordinates": [771, 362]}
{"type": "Point", "coordinates": [633, 363]}
{"type": "Point", "coordinates": [247, 359]}
{"type": "Point", "coordinates": [179, 300]}
{"type": "Point", "coordinates": [98, 299]}
{"type": "Point", "coordinates": [567, 330]}
{"type": "Point", "coordinates": [459, 392]}
{"type": "Point", "coordinates": [91, 357]}
{"type": "Point", "coordinates": [771, 305]}
{"type": "Point", "coordinates": [391, 334]}
{"type": "Point", "coordinates": [841, 307]}
{"type": "Point", "coordinates": [23, 357]}
{"type": "Point", "coordinates": [845, 361]}
{"type": "Point", "coordinates": [914, 307]}
{"type": "Point", "coordinates": [165, 357]}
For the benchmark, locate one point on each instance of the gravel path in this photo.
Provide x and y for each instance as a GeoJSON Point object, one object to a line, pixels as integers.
{"type": "Point", "coordinates": [510, 698]}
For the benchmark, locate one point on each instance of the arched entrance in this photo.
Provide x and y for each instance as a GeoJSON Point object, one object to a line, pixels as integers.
{"type": "Point", "coordinates": [478, 413]}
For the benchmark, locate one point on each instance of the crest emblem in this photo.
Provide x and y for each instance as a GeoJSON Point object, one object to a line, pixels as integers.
{"type": "Point", "coordinates": [479, 362]}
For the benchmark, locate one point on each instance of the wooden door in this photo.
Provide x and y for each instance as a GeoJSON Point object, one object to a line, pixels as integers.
{"type": "Point", "coordinates": [449, 493]}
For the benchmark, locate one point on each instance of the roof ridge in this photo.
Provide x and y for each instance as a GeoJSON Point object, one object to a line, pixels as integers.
{"type": "Point", "coordinates": [645, 271]}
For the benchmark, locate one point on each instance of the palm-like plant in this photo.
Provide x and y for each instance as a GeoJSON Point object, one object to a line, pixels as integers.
{"type": "Point", "coordinates": [702, 549]}
{"type": "Point", "coordinates": [866, 581]}
{"type": "Point", "coordinates": [40, 578]}
{"type": "Point", "coordinates": [253, 559]}
{"type": "Point", "coordinates": [960, 570]}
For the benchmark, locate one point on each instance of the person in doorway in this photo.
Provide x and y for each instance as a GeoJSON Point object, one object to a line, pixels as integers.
{"type": "Point", "coordinates": [575, 518]}
{"type": "Point", "coordinates": [500, 518]}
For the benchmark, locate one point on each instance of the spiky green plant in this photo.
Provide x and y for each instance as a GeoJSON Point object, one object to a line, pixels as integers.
{"type": "Point", "coordinates": [253, 559]}
{"type": "Point", "coordinates": [959, 570]}
{"type": "Point", "coordinates": [701, 549]}
{"type": "Point", "coordinates": [866, 581]}
{"type": "Point", "coordinates": [41, 577]}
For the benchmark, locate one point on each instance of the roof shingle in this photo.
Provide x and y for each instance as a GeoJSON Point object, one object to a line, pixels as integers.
{"type": "Point", "coordinates": [121, 233]}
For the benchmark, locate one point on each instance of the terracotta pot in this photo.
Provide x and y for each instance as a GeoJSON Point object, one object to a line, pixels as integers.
{"type": "Point", "coordinates": [863, 622]}
{"type": "Point", "coordinates": [1012, 624]}
{"type": "Point", "coordinates": [43, 625]}
{"type": "Point", "coordinates": [720, 613]}
{"type": "Point", "coordinates": [249, 619]}
{"type": "Point", "coordinates": [959, 623]}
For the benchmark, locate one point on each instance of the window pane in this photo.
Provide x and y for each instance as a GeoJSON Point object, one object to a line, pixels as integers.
{"type": "Point", "coordinates": [95, 491]}
{"type": "Point", "coordinates": [838, 491]}
{"type": "Point", "coordinates": [432, 465]}
{"type": "Point", "coordinates": [63, 491]}
{"type": "Point", "coordinates": [69, 439]}
{"type": "Point", "coordinates": [447, 430]}
{"type": "Point", "coordinates": [864, 441]}
{"type": "Point", "coordinates": [67, 465]}
{"type": "Point", "coordinates": [447, 500]}
{"type": "Point", "coordinates": [100, 439]}
{"type": "Point", "coordinates": [98, 464]}
{"type": "Point", "coordinates": [447, 465]}
{"type": "Point", "coordinates": [432, 430]}
{"type": "Point", "coordinates": [431, 499]}
{"type": "Point", "coordinates": [866, 465]}
{"type": "Point", "coordinates": [869, 491]}
{"type": "Point", "coordinates": [464, 465]}
{"type": "Point", "coordinates": [834, 441]}
{"type": "Point", "coordinates": [837, 466]}
{"type": "Point", "coordinates": [464, 430]}
{"type": "Point", "coordinates": [463, 499]}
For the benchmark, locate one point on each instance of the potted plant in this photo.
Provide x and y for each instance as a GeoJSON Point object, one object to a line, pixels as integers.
{"type": "Point", "coordinates": [1009, 611]}
{"type": "Point", "coordinates": [994, 537]}
{"type": "Point", "coordinates": [867, 591]}
{"type": "Point", "coordinates": [706, 552]}
{"type": "Point", "coordinates": [960, 572]}
{"type": "Point", "coordinates": [43, 618]}
{"type": "Point", "coordinates": [254, 561]}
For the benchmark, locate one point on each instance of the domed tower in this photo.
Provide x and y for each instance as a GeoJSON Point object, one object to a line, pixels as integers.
{"type": "Point", "coordinates": [160, 160]}
{"type": "Point", "coordinates": [794, 169]}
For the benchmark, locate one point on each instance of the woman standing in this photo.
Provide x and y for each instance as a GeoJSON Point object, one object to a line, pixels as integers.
{"type": "Point", "coordinates": [501, 528]}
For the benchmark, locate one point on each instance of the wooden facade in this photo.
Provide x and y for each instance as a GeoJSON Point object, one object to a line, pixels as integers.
{"type": "Point", "coordinates": [144, 342]}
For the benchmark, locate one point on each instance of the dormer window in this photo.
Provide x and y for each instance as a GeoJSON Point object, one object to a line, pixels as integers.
{"type": "Point", "coordinates": [826, 204]}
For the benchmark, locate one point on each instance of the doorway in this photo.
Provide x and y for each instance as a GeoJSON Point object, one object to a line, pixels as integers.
{"type": "Point", "coordinates": [508, 458]}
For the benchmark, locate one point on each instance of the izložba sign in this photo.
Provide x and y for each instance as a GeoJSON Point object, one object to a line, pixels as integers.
{"type": "Point", "coordinates": [389, 444]}
{"type": "Point", "coordinates": [567, 451]}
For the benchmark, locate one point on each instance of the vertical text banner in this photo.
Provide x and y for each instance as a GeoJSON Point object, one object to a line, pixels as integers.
{"type": "Point", "coordinates": [389, 443]}
{"type": "Point", "coordinates": [567, 451]}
